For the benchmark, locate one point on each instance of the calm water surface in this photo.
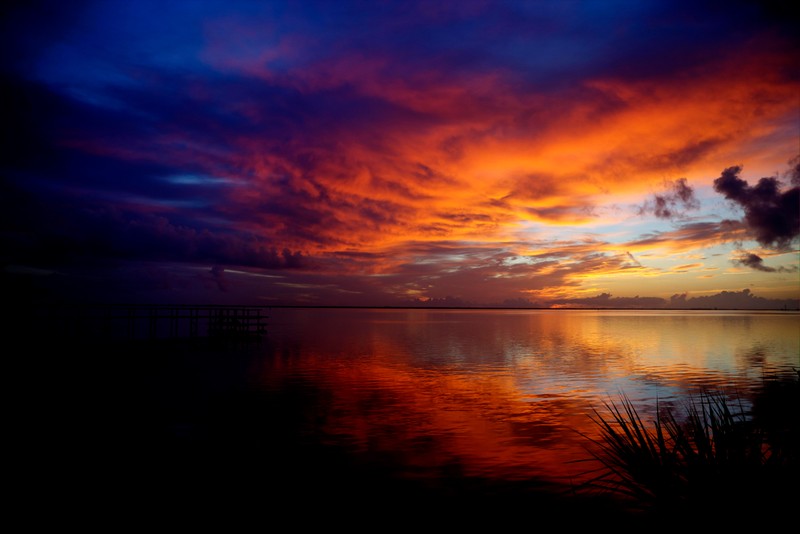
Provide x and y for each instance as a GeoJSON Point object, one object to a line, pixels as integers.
{"type": "Point", "coordinates": [506, 394]}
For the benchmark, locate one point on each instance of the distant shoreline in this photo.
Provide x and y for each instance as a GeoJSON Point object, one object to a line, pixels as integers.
{"type": "Point", "coordinates": [387, 307]}
{"type": "Point", "coordinates": [532, 308]}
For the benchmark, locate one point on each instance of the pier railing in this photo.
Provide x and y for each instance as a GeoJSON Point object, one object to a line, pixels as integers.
{"type": "Point", "coordinates": [158, 321]}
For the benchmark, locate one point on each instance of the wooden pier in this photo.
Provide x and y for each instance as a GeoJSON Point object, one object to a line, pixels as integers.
{"type": "Point", "coordinates": [120, 321]}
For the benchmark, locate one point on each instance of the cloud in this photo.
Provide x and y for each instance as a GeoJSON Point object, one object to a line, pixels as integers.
{"type": "Point", "coordinates": [691, 236]}
{"type": "Point", "coordinates": [771, 215]}
{"type": "Point", "coordinates": [754, 262]}
{"type": "Point", "coordinates": [392, 149]}
{"type": "Point", "coordinates": [605, 300]}
{"type": "Point", "coordinates": [67, 229]}
{"type": "Point", "coordinates": [743, 299]}
{"type": "Point", "coordinates": [794, 172]}
{"type": "Point", "coordinates": [686, 267]}
{"type": "Point", "coordinates": [679, 199]}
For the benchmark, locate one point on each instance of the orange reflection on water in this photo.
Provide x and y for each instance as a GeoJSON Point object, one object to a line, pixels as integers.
{"type": "Point", "coordinates": [429, 420]}
{"type": "Point", "coordinates": [509, 394]}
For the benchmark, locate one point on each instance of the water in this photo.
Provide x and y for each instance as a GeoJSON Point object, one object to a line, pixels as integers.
{"type": "Point", "coordinates": [356, 406]}
{"type": "Point", "coordinates": [508, 393]}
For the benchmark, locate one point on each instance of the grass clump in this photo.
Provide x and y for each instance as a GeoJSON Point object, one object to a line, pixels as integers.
{"type": "Point", "coordinates": [716, 457]}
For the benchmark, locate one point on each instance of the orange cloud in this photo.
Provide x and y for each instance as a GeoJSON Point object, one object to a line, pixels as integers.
{"type": "Point", "coordinates": [476, 172]}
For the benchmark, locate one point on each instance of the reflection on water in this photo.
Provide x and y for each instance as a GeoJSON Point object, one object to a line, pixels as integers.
{"type": "Point", "coordinates": [384, 406]}
{"type": "Point", "coordinates": [507, 393]}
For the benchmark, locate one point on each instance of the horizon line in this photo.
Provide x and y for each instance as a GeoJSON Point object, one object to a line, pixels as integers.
{"type": "Point", "coordinates": [403, 307]}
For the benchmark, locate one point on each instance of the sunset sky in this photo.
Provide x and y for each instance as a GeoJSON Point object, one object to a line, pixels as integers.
{"type": "Point", "coordinates": [539, 153]}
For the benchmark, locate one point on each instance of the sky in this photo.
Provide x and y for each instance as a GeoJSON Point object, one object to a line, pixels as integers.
{"type": "Point", "coordinates": [471, 153]}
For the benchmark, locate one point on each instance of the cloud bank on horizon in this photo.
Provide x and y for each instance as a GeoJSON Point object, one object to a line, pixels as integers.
{"type": "Point", "coordinates": [625, 154]}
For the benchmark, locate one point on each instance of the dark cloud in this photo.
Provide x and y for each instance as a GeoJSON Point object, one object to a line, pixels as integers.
{"type": "Point", "coordinates": [732, 300]}
{"type": "Point", "coordinates": [794, 172]}
{"type": "Point", "coordinates": [60, 229]}
{"type": "Point", "coordinates": [771, 215]}
{"type": "Point", "coordinates": [744, 299]}
{"type": "Point", "coordinates": [605, 300]}
{"type": "Point", "coordinates": [754, 262]}
{"type": "Point", "coordinates": [674, 203]}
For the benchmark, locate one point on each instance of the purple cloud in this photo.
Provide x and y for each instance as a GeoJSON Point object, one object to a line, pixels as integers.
{"type": "Point", "coordinates": [674, 203]}
{"type": "Point", "coordinates": [756, 262]}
